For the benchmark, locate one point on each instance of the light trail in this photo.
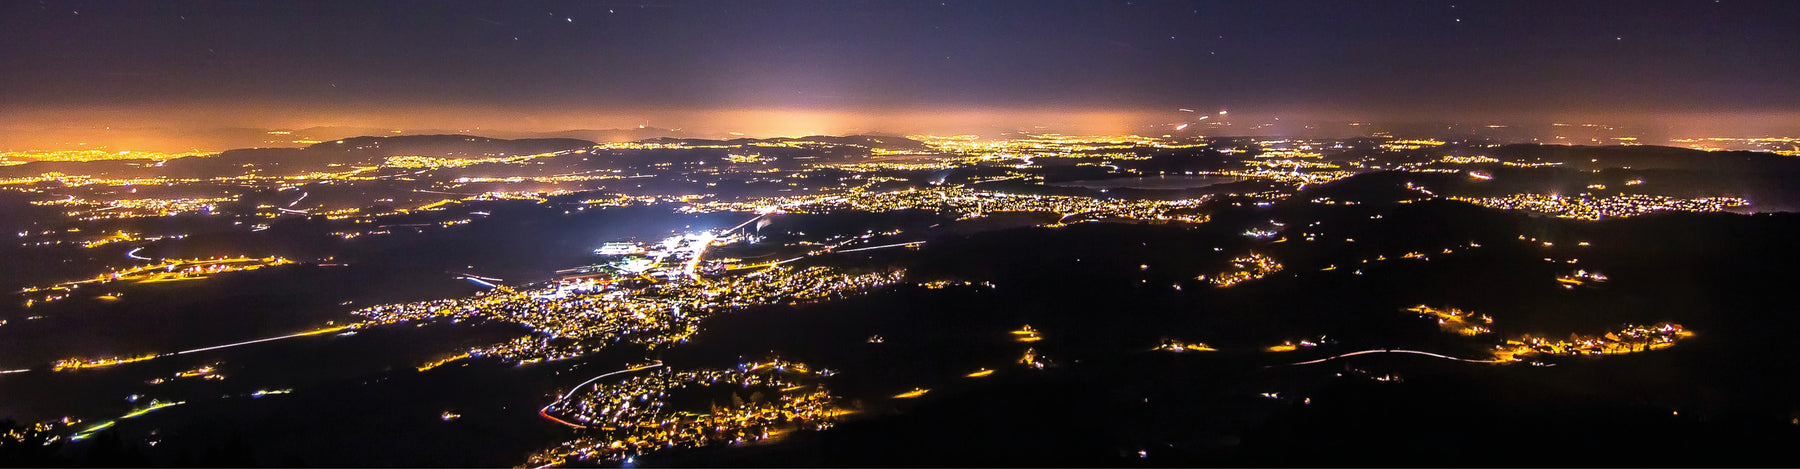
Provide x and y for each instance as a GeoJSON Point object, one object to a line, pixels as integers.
{"type": "Point", "coordinates": [92, 430]}
{"type": "Point", "coordinates": [1414, 352]}
{"type": "Point", "coordinates": [545, 412]}
{"type": "Point", "coordinates": [578, 387]}
{"type": "Point", "coordinates": [8, 372]}
{"type": "Point", "coordinates": [830, 249]}
{"type": "Point", "coordinates": [746, 222]}
{"type": "Point", "coordinates": [481, 282]}
{"type": "Point", "coordinates": [133, 255]}
{"type": "Point", "coordinates": [885, 246]}
{"type": "Point", "coordinates": [152, 408]}
{"type": "Point", "coordinates": [248, 342]}
{"type": "Point", "coordinates": [302, 197]}
{"type": "Point", "coordinates": [770, 266]}
{"type": "Point", "coordinates": [1066, 217]}
{"type": "Point", "coordinates": [490, 279]}
{"type": "Point", "coordinates": [916, 392]}
{"type": "Point", "coordinates": [289, 210]}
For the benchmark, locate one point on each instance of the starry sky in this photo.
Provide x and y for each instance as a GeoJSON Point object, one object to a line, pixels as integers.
{"type": "Point", "coordinates": [832, 66]}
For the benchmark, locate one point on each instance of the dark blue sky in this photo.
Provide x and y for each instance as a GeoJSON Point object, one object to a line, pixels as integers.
{"type": "Point", "coordinates": [1384, 59]}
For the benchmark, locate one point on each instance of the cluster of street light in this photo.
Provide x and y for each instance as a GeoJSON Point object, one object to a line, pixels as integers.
{"type": "Point", "coordinates": [432, 162]}
{"type": "Point", "coordinates": [1580, 277]}
{"type": "Point", "coordinates": [1785, 146]}
{"type": "Point", "coordinates": [642, 413]}
{"type": "Point", "coordinates": [1246, 268]}
{"type": "Point", "coordinates": [575, 320]}
{"type": "Point", "coordinates": [964, 203]}
{"type": "Point", "coordinates": [1628, 339]}
{"type": "Point", "coordinates": [21, 157]}
{"type": "Point", "coordinates": [80, 363]}
{"type": "Point", "coordinates": [1476, 159]}
{"type": "Point", "coordinates": [1588, 207]}
{"type": "Point", "coordinates": [90, 210]}
{"type": "Point", "coordinates": [167, 270]}
{"type": "Point", "coordinates": [1456, 320]}
{"type": "Point", "coordinates": [1290, 175]}
{"type": "Point", "coordinates": [1177, 345]}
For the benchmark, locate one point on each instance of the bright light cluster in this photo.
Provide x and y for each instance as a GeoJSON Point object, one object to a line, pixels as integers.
{"type": "Point", "coordinates": [571, 322]}
{"type": "Point", "coordinates": [964, 203]}
{"type": "Point", "coordinates": [430, 162]}
{"type": "Point", "coordinates": [134, 208]}
{"type": "Point", "coordinates": [1243, 269]}
{"type": "Point", "coordinates": [1456, 320]}
{"type": "Point", "coordinates": [1586, 207]}
{"type": "Point", "coordinates": [1629, 339]}
{"type": "Point", "coordinates": [22, 157]}
{"type": "Point", "coordinates": [641, 413]}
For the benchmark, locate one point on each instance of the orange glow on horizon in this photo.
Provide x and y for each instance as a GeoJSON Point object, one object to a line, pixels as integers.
{"type": "Point", "coordinates": [204, 129]}
{"type": "Point", "coordinates": [219, 126]}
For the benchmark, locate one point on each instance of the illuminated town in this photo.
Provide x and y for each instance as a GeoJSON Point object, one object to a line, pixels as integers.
{"type": "Point", "coordinates": [1584, 207]}
{"type": "Point", "coordinates": [1629, 339]}
{"type": "Point", "coordinates": [167, 270]}
{"type": "Point", "coordinates": [1456, 320]}
{"type": "Point", "coordinates": [752, 402]}
{"type": "Point", "coordinates": [587, 312]}
{"type": "Point", "coordinates": [1243, 269]}
{"type": "Point", "coordinates": [966, 204]}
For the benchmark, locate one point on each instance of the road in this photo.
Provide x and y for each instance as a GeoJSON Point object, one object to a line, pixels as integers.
{"type": "Point", "coordinates": [248, 342]}
{"type": "Point", "coordinates": [1414, 352]}
{"type": "Point", "coordinates": [545, 412]}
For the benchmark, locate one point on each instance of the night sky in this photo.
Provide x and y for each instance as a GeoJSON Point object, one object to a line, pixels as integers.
{"type": "Point", "coordinates": [548, 65]}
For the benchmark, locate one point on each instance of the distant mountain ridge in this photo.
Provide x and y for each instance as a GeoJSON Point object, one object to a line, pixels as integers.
{"type": "Point", "coordinates": [449, 145]}
{"type": "Point", "coordinates": [885, 142]}
{"type": "Point", "coordinates": [370, 150]}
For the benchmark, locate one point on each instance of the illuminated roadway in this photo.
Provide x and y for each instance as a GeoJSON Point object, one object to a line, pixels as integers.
{"type": "Point", "coordinates": [1414, 352]}
{"type": "Point", "coordinates": [885, 246]}
{"type": "Point", "coordinates": [546, 410]}
{"type": "Point", "coordinates": [704, 241]}
{"type": "Point", "coordinates": [248, 342]}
